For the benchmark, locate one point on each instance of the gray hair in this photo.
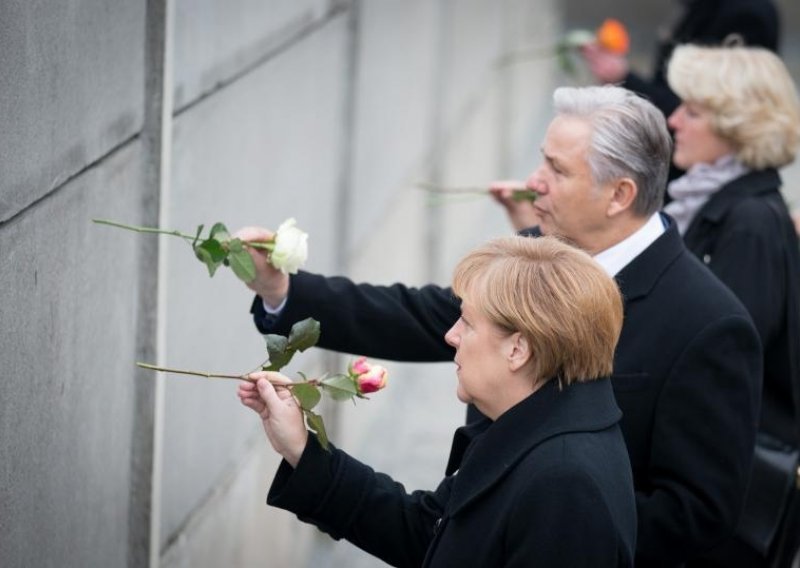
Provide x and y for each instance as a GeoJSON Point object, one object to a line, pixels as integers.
{"type": "Point", "coordinates": [629, 139]}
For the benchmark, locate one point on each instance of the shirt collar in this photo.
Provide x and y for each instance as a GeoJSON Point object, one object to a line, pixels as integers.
{"type": "Point", "coordinates": [618, 256]}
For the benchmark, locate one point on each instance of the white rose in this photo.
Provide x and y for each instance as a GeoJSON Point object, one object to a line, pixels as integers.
{"type": "Point", "coordinates": [291, 248]}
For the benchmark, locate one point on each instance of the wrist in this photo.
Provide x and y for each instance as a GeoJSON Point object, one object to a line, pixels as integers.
{"type": "Point", "coordinates": [293, 454]}
{"type": "Point", "coordinates": [274, 295]}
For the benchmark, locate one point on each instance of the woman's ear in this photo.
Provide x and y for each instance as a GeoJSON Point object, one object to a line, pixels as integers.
{"type": "Point", "coordinates": [519, 352]}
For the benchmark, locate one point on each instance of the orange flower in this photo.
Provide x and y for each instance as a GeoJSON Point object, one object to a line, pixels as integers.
{"type": "Point", "coordinates": [613, 36]}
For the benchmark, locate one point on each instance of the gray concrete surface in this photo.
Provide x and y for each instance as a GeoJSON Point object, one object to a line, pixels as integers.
{"type": "Point", "coordinates": [68, 307]}
{"type": "Point", "coordinates": [71, 90]}
{"type": "Point", "coordinates": [216, 42]}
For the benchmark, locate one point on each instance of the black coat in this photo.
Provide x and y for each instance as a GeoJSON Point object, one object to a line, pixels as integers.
{"type": "Point", "coordinates": [708, 22]}
{"type": "Point", "coordinates": [547, 484]}
{"type": "Point", "coordinates": [687, 376]}
{"type": "Point", "coordinates": [746, 237]}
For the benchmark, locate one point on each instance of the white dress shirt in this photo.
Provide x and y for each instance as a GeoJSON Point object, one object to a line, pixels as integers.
{"type": "Point", "coordinates": [621, 254]}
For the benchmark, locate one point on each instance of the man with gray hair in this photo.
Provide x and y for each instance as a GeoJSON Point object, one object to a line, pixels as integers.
{"type": "Point", "coordinates": [687, 369]}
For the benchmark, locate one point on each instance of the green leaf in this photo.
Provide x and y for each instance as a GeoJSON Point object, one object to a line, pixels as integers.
{"type": "Point", "coordinates": [304, 334]}
{"type": "Point", "coordinates": [524, 196]}
{"type": "Point", "coordinates": [316, 425]}
{"type": "Point", "coordinates": [564, 57]}
{"type": "Point", "coordinates": [219, 232]}
{"type": "Point", "coordinates": [214, 248]}
{"type": "Point", "coordinates": [211, 253]}
{"type": "Point", "coordinates": [242, 263]}
{"type": "Point", "coordinates": [235, 245]}
{"type": "Point", "coordinates": [197, 236]}
{"type": "Point", "coordinates": [339, 387]}
{"type": "Point", "coordinates": [307, 395]}
{"type": "Point", "coordinates": [279, 352]}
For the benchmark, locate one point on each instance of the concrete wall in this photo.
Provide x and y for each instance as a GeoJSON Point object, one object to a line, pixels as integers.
{"type": "Point", "coordinates": [72, 93]}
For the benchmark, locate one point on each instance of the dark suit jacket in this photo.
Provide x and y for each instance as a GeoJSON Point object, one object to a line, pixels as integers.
{"type": "Point", "coordinates": [547, 484]}
{"type": "Point", "coordinates": [746, 237]}
{"type": "Point", "coordinates": [708, 22]}
{"type": "Point", "coordinates": [687, 376]}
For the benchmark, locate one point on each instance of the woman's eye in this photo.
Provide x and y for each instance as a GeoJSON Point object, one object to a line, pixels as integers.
{"type": "Point", "coordinates": [692, 112]}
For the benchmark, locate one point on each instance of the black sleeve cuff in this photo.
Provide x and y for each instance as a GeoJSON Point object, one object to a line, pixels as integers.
{"type": "Point", "coordinates": [301, 489]}
{"type": "Point", "coordinates": [265, 323]}
{"type": "Point", "coordinates": [325, 489]}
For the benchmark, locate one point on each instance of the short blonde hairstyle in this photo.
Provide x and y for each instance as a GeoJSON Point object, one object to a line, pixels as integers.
{"type": "Point", "coordinates": [751, 96]}
{"type": "Point", "coordinates": [555, 295]}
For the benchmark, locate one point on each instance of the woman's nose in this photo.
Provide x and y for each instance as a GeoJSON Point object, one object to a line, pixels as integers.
{"type": "Point", "coordinates": [451, 337]}
{"type": "Point", "coordinates": [674, 118]}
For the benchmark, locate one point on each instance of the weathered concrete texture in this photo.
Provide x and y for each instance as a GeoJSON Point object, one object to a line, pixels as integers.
{"type": "Point", "coordinates": [71, 90]}
{"type": "Point", "coordinates": [443, 106]}
{"type": "Point", "coordinates": [264, 536]}
{"type": "Point", "coordinates": [503, 112]}
{"type": "Point", "coordinates": [526, 84]}
{"type": "Point", "coordinates": [68, 308]}
{"type": "Point", "coordinates": [394, 124]}
{"type": "Point", "coordinates": [254, 154]}
{"type": "Point", "coordinates": [215, 41]}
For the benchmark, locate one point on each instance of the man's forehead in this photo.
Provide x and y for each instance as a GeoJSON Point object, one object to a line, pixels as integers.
{"type": "Point", "coordinates": [566, 134]}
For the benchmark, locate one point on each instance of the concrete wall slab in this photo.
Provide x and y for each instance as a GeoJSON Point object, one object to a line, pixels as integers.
{"type": "Point", "coordinates": [260, 151]}
{"type": "Point", "coordinates": [71, 90]}
{"type": "Point", "coordinates": [397, 62]}
{"type": "Point", "coordinates": [69, 305]}
{"type": "Point", "coordinates": [216, 41]}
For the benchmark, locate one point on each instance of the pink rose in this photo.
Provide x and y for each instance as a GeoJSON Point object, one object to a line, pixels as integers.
{"type": "Point", "coordinates": [373, 380]}
{"type": "Point", "coordinates": [359, 366]}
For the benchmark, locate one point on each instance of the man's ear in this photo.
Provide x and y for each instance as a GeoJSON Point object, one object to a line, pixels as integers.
{"type": "Point", "coordinates": [623, 194]}
{"type": "Point", "coordinates": [519, 353]}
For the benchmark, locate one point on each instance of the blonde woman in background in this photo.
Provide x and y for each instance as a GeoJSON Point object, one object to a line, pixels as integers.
{"type": "Point", "coordinates": [738, 123]}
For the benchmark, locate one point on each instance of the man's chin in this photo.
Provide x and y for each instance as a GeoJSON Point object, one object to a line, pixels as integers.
{"type": "Point", "coordinates": [463, 397]}
{"type": "Point", "coordinates": [548, 230]}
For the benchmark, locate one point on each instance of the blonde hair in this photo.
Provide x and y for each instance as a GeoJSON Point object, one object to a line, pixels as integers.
{"type": "Point", "coordinates": [751, 96]}
{"type": "Point", "coordinates": [555, 295]}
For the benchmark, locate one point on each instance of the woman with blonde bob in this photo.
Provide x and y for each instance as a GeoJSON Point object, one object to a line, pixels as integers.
{"type": "Point", "coordinates": [543, 480]}
{"type": "Point", "coordinates": [739, 122]}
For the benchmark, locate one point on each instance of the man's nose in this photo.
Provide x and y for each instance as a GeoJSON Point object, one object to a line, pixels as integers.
{"type": "Point", "coordinates": [534, 183]}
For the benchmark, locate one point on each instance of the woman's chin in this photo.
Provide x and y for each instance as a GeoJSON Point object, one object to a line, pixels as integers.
{"type": "Point", "coordinates": [681, 162]}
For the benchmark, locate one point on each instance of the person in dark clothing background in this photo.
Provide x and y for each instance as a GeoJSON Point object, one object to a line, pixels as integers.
{"type": "Point", "coordinates": [738, 122]}
{"type": "Point", "coordinates": [703, 22]}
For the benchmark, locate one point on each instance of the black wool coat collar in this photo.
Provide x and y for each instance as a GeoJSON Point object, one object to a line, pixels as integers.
{"type": "Point", "coordinates": [484, 452]}
{"type": "Point", "coordinates": [751, 184]}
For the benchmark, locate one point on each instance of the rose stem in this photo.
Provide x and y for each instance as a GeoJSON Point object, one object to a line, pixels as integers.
{"type": "Point", "coordinates": [220, 376]}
